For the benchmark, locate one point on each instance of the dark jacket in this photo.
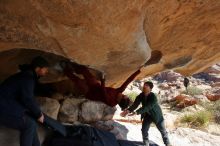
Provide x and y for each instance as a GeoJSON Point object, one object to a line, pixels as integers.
{"type": "Point", "coordinates": [17, 95]}
{"type": "Point", "coordinates": [150, 107]}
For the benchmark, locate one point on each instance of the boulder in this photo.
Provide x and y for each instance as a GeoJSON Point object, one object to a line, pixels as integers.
{"type": "Point", "coordinates": [182, 101]}
{"type": "Point", "coordinates": [108, 113]}
{"type": "Point", "coordinates": [169, 76]}
{"type": "Point", "coordinates": [49, 106]}
{"type": "Point", "coordinates": [83, 110]}
{"type": "Point", "coordinates": [70, 109]}
{"type": "Point", "coordinates": [92, 111]}
{"type": "Point", "coordinates": [213, 97]}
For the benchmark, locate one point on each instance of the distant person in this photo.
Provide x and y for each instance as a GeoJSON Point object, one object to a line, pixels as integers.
{"type": "Point", "coordinates": [95, 89]}
{"type": "Point", "coordinates": [18, 108]}
{"type": "Point", "coordinates": [186, 83]}
{"type": "Point", "coordinates": [150, 113]}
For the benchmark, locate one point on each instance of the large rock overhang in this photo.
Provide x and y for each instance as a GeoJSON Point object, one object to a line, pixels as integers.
{"type": "Point", "coordinates": [115, 36]}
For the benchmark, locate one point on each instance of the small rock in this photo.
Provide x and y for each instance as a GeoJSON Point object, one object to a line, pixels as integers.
{"type": "Point", "coordinates": [164, 86]}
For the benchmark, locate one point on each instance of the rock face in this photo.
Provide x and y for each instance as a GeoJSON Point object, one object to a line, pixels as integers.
{"type": "Point", "coordinates": [114, 36]}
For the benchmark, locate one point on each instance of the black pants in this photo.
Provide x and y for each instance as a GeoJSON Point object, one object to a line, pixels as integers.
{"type": "Point", "coordinates": [160, 126]}
{"type": "Point", "coordinates": [27, 127]}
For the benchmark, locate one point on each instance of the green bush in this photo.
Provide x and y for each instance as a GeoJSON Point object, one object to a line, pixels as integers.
{"type": "Point", "coordinates": [187, 119]}
{"type": "Point", "coordinates": [132, 96]}
{"type": "Point", "coordinates": [214, 109]}
{"type": "Point", "coordinates": [193, 91]}
{"type": "Point", "coordinates": [199, 119]}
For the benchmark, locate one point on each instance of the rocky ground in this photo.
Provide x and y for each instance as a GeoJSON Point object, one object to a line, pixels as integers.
{"type": "Point", "coordinates": [168, 85]}
{"type": "Point", "coordinates": [130, 128]}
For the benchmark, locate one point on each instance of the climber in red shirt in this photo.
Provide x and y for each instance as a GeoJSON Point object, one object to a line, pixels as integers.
{"type": "Point", "coordinates": [95, 89]}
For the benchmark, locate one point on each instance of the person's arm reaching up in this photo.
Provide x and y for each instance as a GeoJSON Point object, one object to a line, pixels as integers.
{"type": "Point", "coordinates": [129, 80]}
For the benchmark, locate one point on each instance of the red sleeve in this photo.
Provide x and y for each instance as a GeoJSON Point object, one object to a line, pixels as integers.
{"type": "Point", "coordinates": [111, 96]}
{"type": "Point", "coordinates": [129, 80]}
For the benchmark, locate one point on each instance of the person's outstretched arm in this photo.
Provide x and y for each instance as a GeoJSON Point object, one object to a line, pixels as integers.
{"type": "Point", "coordinates": [149, 105]}
{"type": "Point", "coordinates": [136, 103]}
{"type": "Point", "coordinates": [129, 80]}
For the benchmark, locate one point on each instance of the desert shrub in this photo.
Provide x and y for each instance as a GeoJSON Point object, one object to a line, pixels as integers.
{"type": "Point", "coordinates": [191, 90]}
{"type": "Point", "coordinates": [199, 119]}
{"type": "Point", "coordinates": [214, 109]}
{"type": "Point", "coordinates": [132, 96]}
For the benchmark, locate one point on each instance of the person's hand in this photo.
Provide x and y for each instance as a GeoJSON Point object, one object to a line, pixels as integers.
{"type": "Point", "coordinates": [41, 119]}
{"type": "Point", "coordinates": [124, 113]}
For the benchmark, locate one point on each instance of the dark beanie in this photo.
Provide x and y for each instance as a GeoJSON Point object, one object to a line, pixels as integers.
{"type": "Point", "coordinates": [39, 62]}
{"type": "Point", "coordinates": [150, 84]}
